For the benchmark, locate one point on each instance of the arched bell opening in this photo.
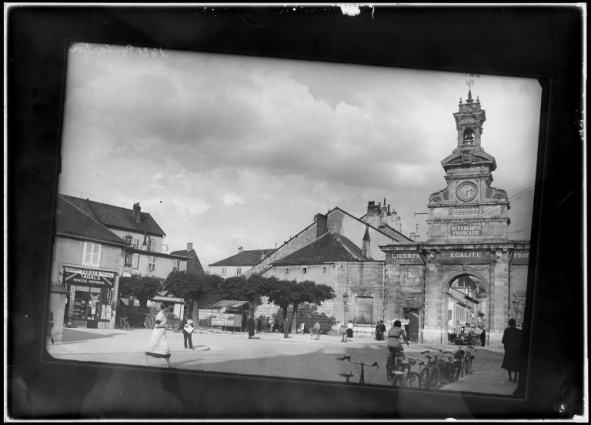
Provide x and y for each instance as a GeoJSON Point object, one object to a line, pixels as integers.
{"type": "Point", "coordinates": [469, 137]}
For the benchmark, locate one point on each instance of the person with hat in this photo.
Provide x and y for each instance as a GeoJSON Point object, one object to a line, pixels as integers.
{"type": "Point", "coordinates": [188, 329]}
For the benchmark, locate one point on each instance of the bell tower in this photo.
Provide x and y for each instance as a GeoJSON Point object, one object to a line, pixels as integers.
{"type": "Point", "coordinates": [469, 209]}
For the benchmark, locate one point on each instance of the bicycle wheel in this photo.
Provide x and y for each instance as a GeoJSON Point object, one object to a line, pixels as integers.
{"type": "Point", "coordinates": [398, 380]}
{"type": "Point", "coordinates": [457, 370]}
{"type": "Point", "coordinates": [413, 380]}
{"type": "Point", "coordinates": [468, 368]}
{"type": "Point", "coordinates": [149, 322]}
{"type": "Point", "coordinates": [434, 378]}
{"type": "Point", "coordinates": [389, 368]}
{"type": "Point", "coordinates": [424, 377]}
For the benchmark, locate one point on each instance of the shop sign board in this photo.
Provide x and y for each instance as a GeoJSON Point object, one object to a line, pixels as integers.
{"type": "Point", "coordinates": [225, 319]}
{"type": "Point", "coordinates": [82, 276]}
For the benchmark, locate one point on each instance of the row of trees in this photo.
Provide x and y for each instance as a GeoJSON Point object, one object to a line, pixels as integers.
{"type": "Point", "coordinates": [204, 290]}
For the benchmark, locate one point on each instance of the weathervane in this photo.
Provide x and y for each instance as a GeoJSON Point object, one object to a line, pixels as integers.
{"type": "Point", "coordinates": [470, 81]}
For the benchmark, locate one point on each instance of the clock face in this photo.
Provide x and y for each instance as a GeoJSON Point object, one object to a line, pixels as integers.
{"type": "Point", "coordinates": [466, 191]}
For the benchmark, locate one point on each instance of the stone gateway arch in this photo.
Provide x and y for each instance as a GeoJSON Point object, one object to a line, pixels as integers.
{"type": "Point", "coordinates": [467, 272]}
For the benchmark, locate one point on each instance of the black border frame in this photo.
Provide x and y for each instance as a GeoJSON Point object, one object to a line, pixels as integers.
{"type": "Point", "coordinates": [531, 41]}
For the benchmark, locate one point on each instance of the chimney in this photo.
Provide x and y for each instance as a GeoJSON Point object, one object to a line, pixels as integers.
{"type": "Point", "coordinates": [189, 246]}
{"type": "Point", "coordinates": [136, 212]}
{"type": "Point", "coordinates": [321, 224]}
{"type": "Point", "coordinates": [240, 249]}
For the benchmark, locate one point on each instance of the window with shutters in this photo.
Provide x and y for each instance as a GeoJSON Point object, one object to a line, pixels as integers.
{"type": "Point", "coordinates": [128, 260]}
{"type": "Point", "coordinates": [323, 270]}
{"type": "Point", "coordinates": [135, 261]}
{"type": "Point", "coordinates": [153, 245]}
{"type": "Point", "coordinates": [286, 271]}
{"type": "Point", "coordinates": [135, 242]}
{"type": "Point", "coordinates": [238, 271]}
{"type": "Point", "coordinates": [92, 254]}
{"type": "Point", "coordinates": [176, 265]}
{"type": "Point", "coordinates": [151, 263]}
{"type": "Point", "coordinates": [224, 271]}
{"type": "Point", "coordinates": [304, 270]}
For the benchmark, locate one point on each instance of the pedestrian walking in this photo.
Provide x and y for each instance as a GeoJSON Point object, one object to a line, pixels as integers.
{"type": "Point", "coordinates": [286, 324]}
{"type": "Point", "coordinates": [315, 330]}
{"type": "Point", "coordinates": [49, 324]}
{"type": "Point", "coordinates": [187, 327]}
{"type": "Point", "coordinates": [250, 327]}
{"type": "Point", "coordinates": [350, 329]}
{"type": "Point", "coordinates": [343, 331]}
{"type": "Point", "coordinates": [158, 345]}
{"type": "Point", "coordinates": [482, 337]}
{"type": "Point", "coordinates": [512, 343]}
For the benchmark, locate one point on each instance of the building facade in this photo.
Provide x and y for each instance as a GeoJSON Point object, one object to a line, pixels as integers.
{"type": "Point", "coordinates": [95, 245]}
{"type": "Point", "coordinates": [240, 263]}
{"type": "Point", "coordinates": [468, 272]}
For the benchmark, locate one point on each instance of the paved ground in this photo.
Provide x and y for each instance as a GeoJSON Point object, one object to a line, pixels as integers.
{"type": "Point", "coordinates": [270, 354]}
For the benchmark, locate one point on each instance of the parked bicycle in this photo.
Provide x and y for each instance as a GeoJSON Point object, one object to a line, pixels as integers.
{"type": "Point", "coordinates": [466, 356]}
{"type": "Point", "coordinates": [450, 366]}
{"type": "Point", "coordinates": [412, 379]}
{"type": "Point", "coordinates": [430, 373]}
{"type": "Point", "coordinates": [349, 374]}
{"type": "Point", "coordinates": [123, 323]}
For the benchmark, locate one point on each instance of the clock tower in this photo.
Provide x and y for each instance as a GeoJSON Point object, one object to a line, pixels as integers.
{"type": "Point", "coordinates": [469, 209]}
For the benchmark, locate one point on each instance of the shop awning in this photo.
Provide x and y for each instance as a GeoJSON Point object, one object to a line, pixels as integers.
{"type": "Point", "coordinates": [231, 304]}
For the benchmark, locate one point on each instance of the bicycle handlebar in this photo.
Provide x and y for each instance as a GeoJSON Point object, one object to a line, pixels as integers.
{"type": "Point", "coordinates": [347, 357]}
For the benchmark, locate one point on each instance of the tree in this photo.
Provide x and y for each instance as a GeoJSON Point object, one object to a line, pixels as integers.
{"type": "Point", "coordinates": [240, 288]}
{"type": "Point", "coordinates": [281, 293]}
{"type": "Point", "coordinates": [308, 291]}
{"type": "Point", "coordinates": [141, 287]}
{"type": "Point", "coordinates": [192, 288]}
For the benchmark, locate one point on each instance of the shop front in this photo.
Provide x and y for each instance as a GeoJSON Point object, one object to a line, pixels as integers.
{"type": "Point", "coordinates": [90, 294]}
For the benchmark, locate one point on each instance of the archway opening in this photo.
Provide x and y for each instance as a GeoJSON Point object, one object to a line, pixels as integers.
{"type": "Point", "coordinates": [467, 307]}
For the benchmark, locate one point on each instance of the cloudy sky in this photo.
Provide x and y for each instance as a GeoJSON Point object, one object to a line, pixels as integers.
{"type": "Point", "coordinates": [227, 151]}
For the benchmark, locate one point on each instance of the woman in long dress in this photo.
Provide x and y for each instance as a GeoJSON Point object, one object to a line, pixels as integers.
{"type": "Point", "coordinates": [512, 343]}
{"type": "Point", "coordinates": [158, 346]}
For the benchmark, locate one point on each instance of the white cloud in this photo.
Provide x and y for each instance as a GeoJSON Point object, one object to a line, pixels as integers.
{"type": "Point", "coordinates": [215, 146]}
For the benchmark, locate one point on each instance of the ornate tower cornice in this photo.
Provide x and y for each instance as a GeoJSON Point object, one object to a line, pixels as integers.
{"type": "Point", "coordinates": [468, 208]}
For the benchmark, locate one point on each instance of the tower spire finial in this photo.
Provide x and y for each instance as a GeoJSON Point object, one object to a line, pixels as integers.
{"type": "Point", "coordinates": [470, 83]}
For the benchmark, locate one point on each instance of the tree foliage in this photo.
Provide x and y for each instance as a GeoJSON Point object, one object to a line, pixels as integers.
{"type": "Point", "coordinates": [141, 287]}
{"type": "Point", "coordinates": [191, 287]}
{"type": "Point", "coordinates": [308, 291]}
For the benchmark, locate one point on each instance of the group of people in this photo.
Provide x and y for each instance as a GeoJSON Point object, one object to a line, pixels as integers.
{"type": "Point", "coordinates": [158, 345]}
{"type": "Point", "coordinates": [380, 330]}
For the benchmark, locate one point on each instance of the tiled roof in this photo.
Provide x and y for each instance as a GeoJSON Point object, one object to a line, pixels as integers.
{"type": "Point", "coordinates": [193, 265]}
{"type": "Point", "coordinates": [328, 248]}
{"type": "Point", "coordinates": [70, 220]}
{"type": "Point", "coordinates": [245, 258]}
{"type": "Point", "coordinates": [118, 217]}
